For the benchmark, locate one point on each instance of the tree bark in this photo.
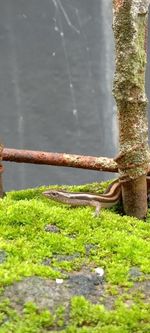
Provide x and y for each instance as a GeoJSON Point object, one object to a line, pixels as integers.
{"type": "Point", "coordinates": [130, 32]}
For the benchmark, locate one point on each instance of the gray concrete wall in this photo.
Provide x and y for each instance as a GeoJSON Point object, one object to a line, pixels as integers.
{"type": "Point", "coordinates": [56, 69]}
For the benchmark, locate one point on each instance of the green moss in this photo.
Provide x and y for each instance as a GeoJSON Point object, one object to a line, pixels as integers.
{"type": "Point", "coordinates": [32, 320]}
{"type": "Point", "coordinates": [122, 319]}
{"type": "Point", "coordinates": [118, 243]}
{"type": "Point", "coordinates": [84, 317]}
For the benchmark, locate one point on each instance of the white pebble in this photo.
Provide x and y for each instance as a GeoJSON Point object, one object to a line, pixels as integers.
{"type": "Point", "coordinates": [99, 271]}
{"type": "Point", "coordinates": [59, 281]}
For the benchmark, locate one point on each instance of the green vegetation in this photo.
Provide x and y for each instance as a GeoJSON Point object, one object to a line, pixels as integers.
{"type": "Point", "coordinates": [117, 242]}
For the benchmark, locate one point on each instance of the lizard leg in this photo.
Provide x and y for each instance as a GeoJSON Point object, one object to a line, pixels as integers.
{"type": "Point", "coordinates": [97, 206]}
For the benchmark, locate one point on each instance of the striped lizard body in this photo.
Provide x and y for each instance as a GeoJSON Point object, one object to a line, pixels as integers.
{"type": "Point", "coordinates": [109, 198]}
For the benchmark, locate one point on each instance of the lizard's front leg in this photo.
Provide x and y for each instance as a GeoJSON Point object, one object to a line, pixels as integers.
{"type": "Point", "coordinates": [97, 206]}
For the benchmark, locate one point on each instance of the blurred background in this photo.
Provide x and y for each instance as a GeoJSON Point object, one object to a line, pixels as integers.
{"type": "Point", "coordinates": [56, 70]}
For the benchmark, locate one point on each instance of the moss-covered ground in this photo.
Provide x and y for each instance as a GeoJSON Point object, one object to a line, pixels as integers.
{"type": "Point", "coordinates": [118, 243]}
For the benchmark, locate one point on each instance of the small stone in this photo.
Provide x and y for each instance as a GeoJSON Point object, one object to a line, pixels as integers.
{"type": "Point", "coordinates": [134, 273]}
{"type": "Point", "coordinates": [3, 256]}
{"type": "Point", "coordinates": [61, 258]}
{"type": "Point", "coordinates": [99, 271]}
{"type": "Point", "coordinates": [59, 281]}
{"type": "Point", "coordinates": [46, 262]}
{"type": "Point", "coordinates": [51, 228]}
{"type": "Point", "coordinates": [129, 303]}
{"type": "Point", "coordinates": [89, 247]}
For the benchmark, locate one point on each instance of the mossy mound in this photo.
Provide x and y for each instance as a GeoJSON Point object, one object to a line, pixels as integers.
{"type": "Point", "coordinates": [49, 254]}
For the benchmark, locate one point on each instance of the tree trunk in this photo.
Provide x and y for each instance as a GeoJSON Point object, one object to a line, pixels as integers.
{"type": "Point", "coordinates": [130, 32]}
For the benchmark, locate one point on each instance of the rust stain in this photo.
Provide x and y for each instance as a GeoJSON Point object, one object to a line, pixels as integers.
{"type": "Point", "coordinates": [118, 4]}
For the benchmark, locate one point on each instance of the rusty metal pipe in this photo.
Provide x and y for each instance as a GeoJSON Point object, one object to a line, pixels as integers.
{"type": "Point", "coordinates": [59, 159]}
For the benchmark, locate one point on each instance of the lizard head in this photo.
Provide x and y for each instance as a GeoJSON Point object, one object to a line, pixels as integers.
{"type": "Point", "coordinates": [51, 193]}
{"type": "Point", "coordinates": [55, 195]}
